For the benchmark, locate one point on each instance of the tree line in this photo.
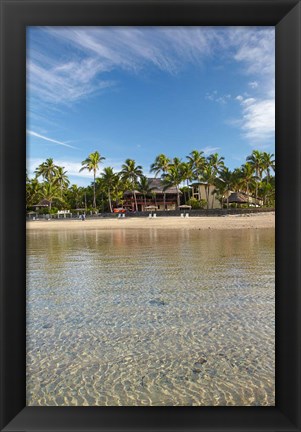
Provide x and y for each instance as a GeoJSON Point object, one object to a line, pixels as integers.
{"type": "Point", "coordinates": [254, 178]}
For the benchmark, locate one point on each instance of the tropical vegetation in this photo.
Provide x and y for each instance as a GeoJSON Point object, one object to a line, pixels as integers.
{"type": "Point", "coordinates": [256, 178]}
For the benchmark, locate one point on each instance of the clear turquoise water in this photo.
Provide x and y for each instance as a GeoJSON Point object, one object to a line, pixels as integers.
{"type": "Point", "coordinates": [150, 317]}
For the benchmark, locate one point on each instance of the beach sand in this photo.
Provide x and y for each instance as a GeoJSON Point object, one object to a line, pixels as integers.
{"type": "Point", "coordinates": [259, 220]}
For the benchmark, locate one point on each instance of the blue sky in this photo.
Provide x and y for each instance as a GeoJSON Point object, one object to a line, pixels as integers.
{"type": "Point", "coordinates": [136, 92]}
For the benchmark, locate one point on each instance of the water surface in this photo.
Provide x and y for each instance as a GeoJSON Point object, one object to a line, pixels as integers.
{"type": "Point", "coordinates": [150, 317]}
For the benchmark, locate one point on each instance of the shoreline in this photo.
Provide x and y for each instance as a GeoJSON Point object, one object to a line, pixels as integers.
{"type": "Point", "coordinates": [242, 221]}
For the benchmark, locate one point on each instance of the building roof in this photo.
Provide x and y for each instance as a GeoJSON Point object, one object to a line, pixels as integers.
{"type": "Point", "coordinates": [157, 186]}
{"type": "Point", "coordinates": [238, 197]}
{"type": "Point", "coordinates": [42, 203]}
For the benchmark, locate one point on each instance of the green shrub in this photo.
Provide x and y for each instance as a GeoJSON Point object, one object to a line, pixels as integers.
{"type": "Point", "coordinates": [196, 204]}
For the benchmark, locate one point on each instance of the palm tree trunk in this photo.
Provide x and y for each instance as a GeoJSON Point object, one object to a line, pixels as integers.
{"type": "Point", "coordinates": [164, 200]}
{"type": "Point", "coordinates": [94, 197]}
{"type": "Point", "coordinates": [135, 199]}
{"type": "Point", "coordinates": [207, 196]}
{"type": "Point", "coordinates": [144, 201]}
{"type": "Point", "coordinates": [110, 203]}
{"type": "Point", "coordinates": [178, 196]}
{"type": "Point", "coordinates": [248, 194]}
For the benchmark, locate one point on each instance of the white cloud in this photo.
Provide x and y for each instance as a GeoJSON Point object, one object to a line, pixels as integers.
{"type": "Point", "coordinates": [253, 84]}
{"type": "Point", "coordinates": [258, 119]}
{"type": "Point", "coordinates": [216, 97]}
{"type": "Point", "coordinates": [210, 150]}
{"type": "Point", "coordinates": [70, 77]}
{"type": "Point", "coordinates": [35, 134]}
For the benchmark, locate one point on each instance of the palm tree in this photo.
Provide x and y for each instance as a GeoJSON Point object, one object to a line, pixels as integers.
{"type": "Point", "coordinates": [187, 174]}
{"type": "Point", "coordinates": [226, 178]}
{"type": "Point", "coordinates": [197, 162]}
{"type": "Point", "coordinates": [131, 172]}
{"type": "Point", "coordinates": [217, 165]}
{"type": "Point", "coordinates": [160, 165]}
{"type": "Point", "coordinates": [247, 178]}
{"type": "Point", "coordinates": [61, 179]}
{"type": "Point", "coordinates": [268, 163]}
{"type": "Point", "coordinates": [75, 195]}
{"type": "Point", "coordinates": [50, 192]}
{"type": "Point", "coordinates": [91, 163]}
{"type": "Point", "coordinates": [47, 170]}
{"type": "Point", "coordinates": [33, 191]}
{"type": "Point", "coordinates": [174, 177]}
{"type": "Point", "coordinates": [220, 190]}
{"type": "Point", "coordinates": [216, 162]}
{"type": "Point", "coordinates": [208, 177]}
{"type": "Point", "coordinates": [256, 161]}
{"type": "Point", "coordinates": [109, 180]}
{"type": "Point", "coordinates": [144, 187]}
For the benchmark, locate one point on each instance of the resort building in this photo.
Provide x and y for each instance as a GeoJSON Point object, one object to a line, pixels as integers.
{"type": "Point", "coordinates": [199, 192]}
{"type": "Point", "coordinates": [155, 198]}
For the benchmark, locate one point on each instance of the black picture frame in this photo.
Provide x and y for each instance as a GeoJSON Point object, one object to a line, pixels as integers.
{"type": "Point", "coordinates": [15, 16]}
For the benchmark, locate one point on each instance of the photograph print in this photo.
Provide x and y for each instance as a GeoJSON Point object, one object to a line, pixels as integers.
{"type": "Point", "coordinates": [150, 216]}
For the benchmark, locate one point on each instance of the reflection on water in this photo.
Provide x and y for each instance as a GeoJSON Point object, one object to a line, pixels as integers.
{"type": "Point", "coordinates": [150, 317]}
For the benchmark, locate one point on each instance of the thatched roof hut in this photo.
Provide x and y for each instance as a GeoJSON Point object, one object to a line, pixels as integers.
{"type": "Point", "coordinates": [238, 197]}
{"type": "Point", "coordinates": [42, 203]}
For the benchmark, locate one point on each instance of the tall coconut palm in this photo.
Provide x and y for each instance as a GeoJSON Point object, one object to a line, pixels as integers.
{"type": "Point", "coordinates": [220, 191]}
{"type": "Point", "coordinates": [197, 161]}
{"type": "Point", "coordinates": [268, 163]}
{"type": "Point", "coordinates": [47, 170]}
{"type": "Point", "coordinates": [256, 161]}
{"type": "Point", "coordinates": [50, 192]}
{"type": "Point", "coordinates": [144, 187]}
{"type": "Point", "coordinates": [75, 195]}
{"type": "Point", "coordinates": [109, 179]}
{"type": "Point", "coordinates": [187, 174]}
{"type": "Point", "coordinates": [131, 172]}
{"type": "Point", "coordinates": [161, 165]}
{"type": "Point", "coordinates": [216, 164]}
{"type": "Point", "coordinates": [208, 177]}
{"type": "Point", "coordinates": [61, 179]}
{"type": "Point", "coordinates": [226, 178]}
{"type": "Point", "coordinates": [248, 178]}
{"type": "Point", "coordinates": [174, 177]}
{"type": "Point", "coordinates": [91, 163]}
{"type": "Point", "coordinates": [33, 192]}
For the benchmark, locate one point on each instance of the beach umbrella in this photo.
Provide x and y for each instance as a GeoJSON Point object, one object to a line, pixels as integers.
{"type": "Point", "coordinates": [185, 207]}
{"type": "Point", "coordinates": [151, 208]}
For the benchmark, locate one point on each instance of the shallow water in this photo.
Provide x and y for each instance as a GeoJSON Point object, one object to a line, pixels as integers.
{"type": "Point", "coordinates": [150, 317]}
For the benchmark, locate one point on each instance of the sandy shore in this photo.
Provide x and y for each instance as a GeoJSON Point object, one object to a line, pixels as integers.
{"type": "Point", "coordinates": [260, 220]}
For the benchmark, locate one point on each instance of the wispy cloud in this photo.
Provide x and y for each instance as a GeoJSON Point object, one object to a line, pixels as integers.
{"type": "Point", "coordinates": [35, 134]}
{"type": "Point", "coordinates": [209, 150]}
{"type": "Point", "coordinates": [82, 71]}
{"type": "Point", "coordinates": [219, 98]}
{"type": "Point", "coordinates": [258, 119]}
{"type": "Point", "coordinates": [68, 78]}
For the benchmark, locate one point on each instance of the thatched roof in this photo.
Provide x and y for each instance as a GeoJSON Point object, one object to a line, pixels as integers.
{"type": "Point", "coordinates": [238, 197]}
{"type": "Point", "coordinates": [157, 187]}
{"type": "Point", "coordinates": [129, 192]}
{"type": "Point", "coordinates": [42, 203]}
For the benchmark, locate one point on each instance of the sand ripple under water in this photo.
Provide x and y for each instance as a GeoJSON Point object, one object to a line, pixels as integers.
{"type": "Point", "coordinates": [150, 318]}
